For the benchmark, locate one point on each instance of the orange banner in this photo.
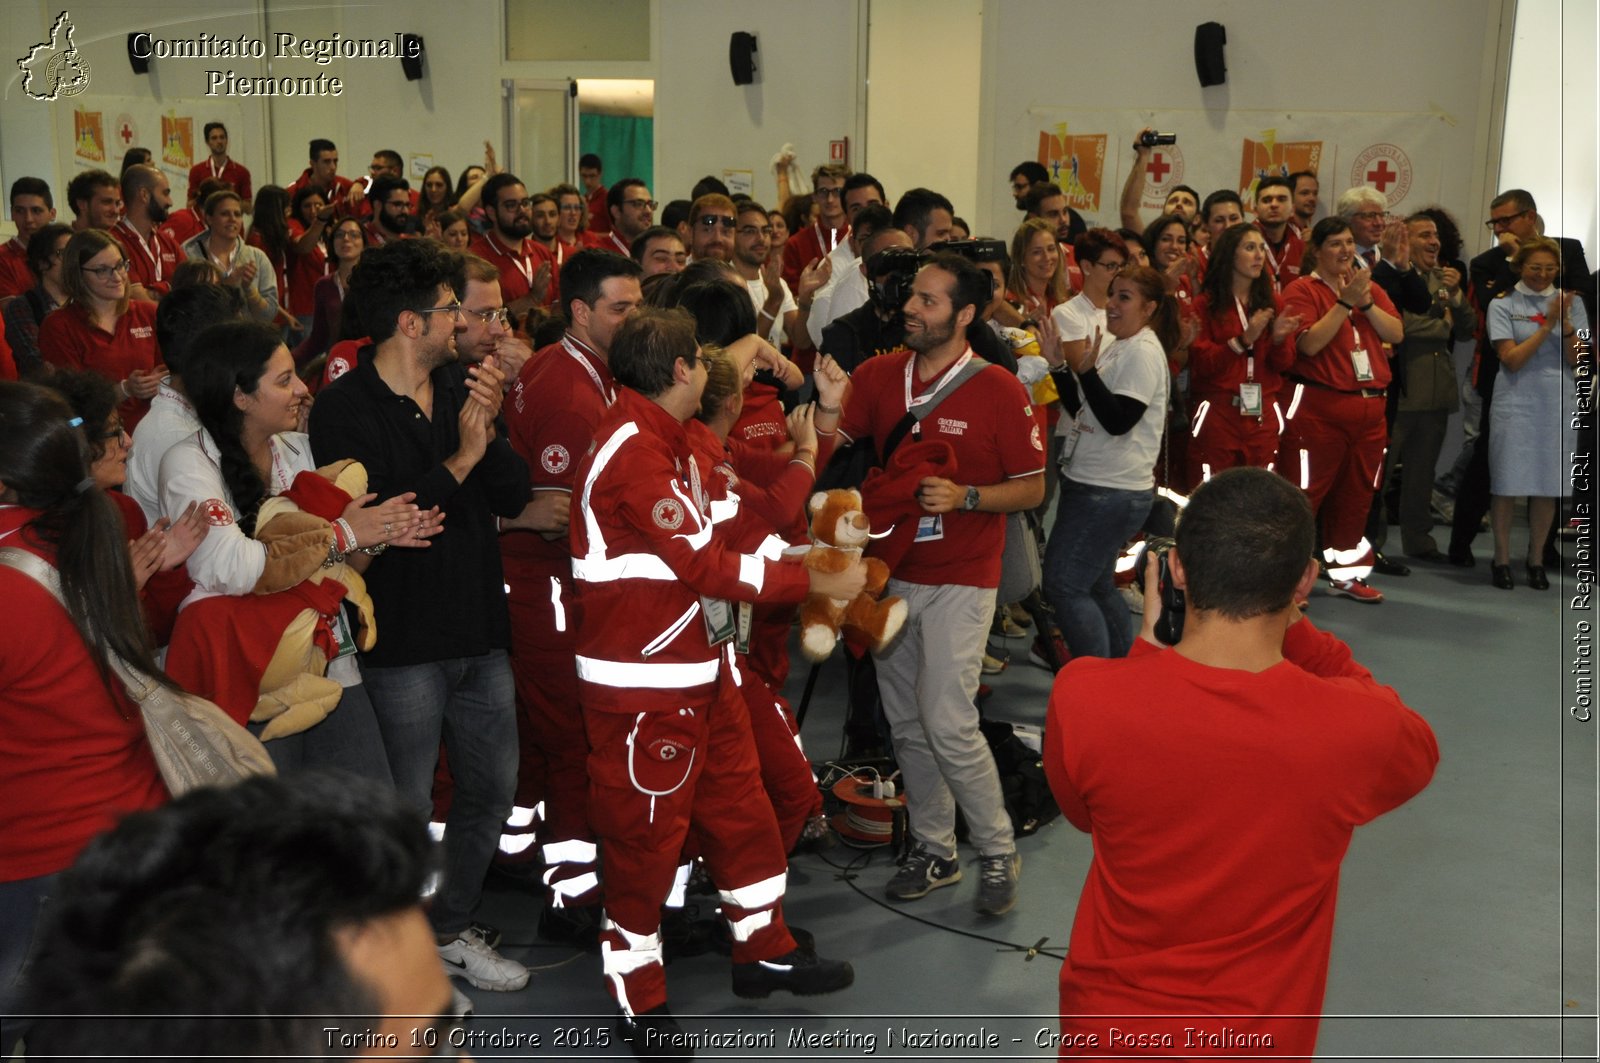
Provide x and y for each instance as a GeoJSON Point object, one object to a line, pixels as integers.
{"type": "Point", "coordinates": [177, 141]}
{"type": "Point", "coordinates": [1270, 157]}
{"type": "Point", "coordinates": [1077, 163]}
{"type": "Point", "coordinates": [88, 136]}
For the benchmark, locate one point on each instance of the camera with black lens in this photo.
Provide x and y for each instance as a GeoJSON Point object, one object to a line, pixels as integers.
{"type": "Point", "coordinates": [889, 276]}
{"type": "Point", "coordinates": [1169, 626]}
{"type": "Point", "coordinates": [1153, 139]}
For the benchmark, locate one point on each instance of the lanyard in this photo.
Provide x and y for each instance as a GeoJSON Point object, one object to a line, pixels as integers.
{"type": "Point", "coordinates": [949, 373]}
{"type": "Point", "coordinates": [215, 261]}
{"type": "Point", "coordinates": [571, 348]}
{"type": "Point", "coordinates": [217, 171]}
{"type": "Point", "coordinates": [524, 266]}
{"type": "Point", "coordinates": [622, 248]}
{"type": "Point", "coordinates": [1250, 351]}
{"type": "Point", "coordinates": [833, 238]}
{"type": "Point", "coordinates": [155, 260]}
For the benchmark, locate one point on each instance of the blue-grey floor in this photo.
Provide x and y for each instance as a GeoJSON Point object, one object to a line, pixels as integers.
{"type": "Point", "coordinates": [1466, 925]}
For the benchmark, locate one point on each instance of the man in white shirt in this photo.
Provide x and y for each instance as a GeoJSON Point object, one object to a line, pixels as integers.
{"type": "Point", "coordinates": [847, 285]}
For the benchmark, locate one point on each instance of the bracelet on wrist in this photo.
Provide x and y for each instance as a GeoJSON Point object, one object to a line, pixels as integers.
{"type": "Point", "coordinates": [1347, 306]}
{"type": "Point", "coordinates": [374, 551]}
{"type": "Point", "coordinates": [823, 408]}
{"type": "Point", "coordinates": [335, 555]}
{"type": "Point", "coordinates": [349, 535]}
{"type": "Point", "coordinates": [1364, 309]}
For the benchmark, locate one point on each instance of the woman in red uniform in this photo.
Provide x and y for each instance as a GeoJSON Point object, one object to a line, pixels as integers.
{"type": "Point", "coordinates": [1237, 359]}
{"type": "Point", "coordinates": [73, 753]}
{"type": "Point", "coordinates": [99, 329]}
{"type": "Point", "coordinates": [1334, 433]}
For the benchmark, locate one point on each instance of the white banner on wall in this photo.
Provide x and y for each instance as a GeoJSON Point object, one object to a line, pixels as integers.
{"type": "Point", "coordinates": [96, 131]}
{"type": "Point", "coordinates": [1089, 153]}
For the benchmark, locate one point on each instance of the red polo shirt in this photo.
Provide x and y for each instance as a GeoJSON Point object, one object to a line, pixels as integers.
{"type": "Point", "coordinates": [1216, 369]}
{"type": "Point", "coordinates": [230, 171]}
{"type": "Point", "coordinates": [806, 246]}
{"type": "Point", "coordinates": [599, 212]}
{"type": "Point", "coordinates": [1311, 297]}
{"type": "Point", "coordinates": [67, 338]}
{"type": "Point", "coordinates": [551, 415]}
{"type": "Point", "coordinates": [517, 266]}
{"type": "Point", "coordinates": [150, 262]}
{"type": "Point", "coordinates": [182, 226]}
{"type": "Point", "coordinates": [1283, 259]}
{"type": "Point", "coordinates": [303, 273]}
{"type": "Point", "coordinates": [761, 423]}
{"type": "Point", "coordinates": [989, 423]}
{"type": "Point", "coordinates": [341, 190]}
{"type": "Point", "coordinates": [15, 276]}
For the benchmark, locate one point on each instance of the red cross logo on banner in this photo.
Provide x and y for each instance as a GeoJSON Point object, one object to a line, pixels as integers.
{"type": "Point", "coordinates": [1157, 168]}
{"type": "Point", "coordinates": [125, 135]}
{"type": "Point", "coordinates": [1382, 176]}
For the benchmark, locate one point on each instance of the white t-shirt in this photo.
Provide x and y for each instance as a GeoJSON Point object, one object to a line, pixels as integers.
{"type": "Point", "coordinates": [170, 419]}
{"type": "Point", "coordinates": [758, 295]}
{"type": "Point", "coordinates": [845, 275]}
{"type": "Point", "coordinates": [1078, 319]}
{"type": "Point", "coordinates": [1136, 367]}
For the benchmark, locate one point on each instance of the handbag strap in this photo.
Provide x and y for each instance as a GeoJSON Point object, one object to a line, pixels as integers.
{"type": "Point", "coordinates": [138, 686]}
{"type": "Point", "coordinates": [897, 434]}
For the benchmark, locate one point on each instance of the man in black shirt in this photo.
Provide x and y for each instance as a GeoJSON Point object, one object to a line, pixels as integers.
{"type": "Point", "coordinates": [420, 422]}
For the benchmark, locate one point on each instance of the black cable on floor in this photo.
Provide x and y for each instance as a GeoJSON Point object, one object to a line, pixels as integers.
{"type": "Point", "coordinates": [848, 877]}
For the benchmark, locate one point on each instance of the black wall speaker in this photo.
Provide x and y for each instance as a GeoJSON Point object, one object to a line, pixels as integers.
{"type": "Point", "coordinates": [742, 57]}
{"type": "Point", "coordinates": [411, 43]}
{"type": "Point", "coordinates": [140, 65]}
{"type": "Point", "coordinates": [1209, 37]}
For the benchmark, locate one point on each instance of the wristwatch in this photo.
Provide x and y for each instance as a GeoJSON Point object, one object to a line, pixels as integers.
{"type": "Point", "coordinates": [971, 502]}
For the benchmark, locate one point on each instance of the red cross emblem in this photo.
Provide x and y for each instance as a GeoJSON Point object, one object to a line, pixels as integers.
{"type": "Point", "coordinates": [1381, 176]}
{"type": "Point", "coordinates": [1157, 168]}
{"type": "Point", "coordinates": [125, 134]}
{"type": "Point", "coordinates": [217, 513]}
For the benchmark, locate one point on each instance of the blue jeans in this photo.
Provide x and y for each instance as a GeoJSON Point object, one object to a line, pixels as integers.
{"type": "Point", "coordinates": [347, 740]}
{"type": "Point", "coordinates": [470, 703]}
{"type": "Point", "coordinates": [1092, 525]}
{"type": "Point", "coordinates": [22, 905]}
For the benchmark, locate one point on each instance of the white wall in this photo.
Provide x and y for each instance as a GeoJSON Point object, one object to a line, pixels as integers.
{"type": "Point", "coordinates": [923, 83]}
{"type": "Point", "coordinates": [1549, 143]}
{"type": "Point", "coordinates": [1282, 55]}
{"type": "Point", "coordinates": [804, 93]}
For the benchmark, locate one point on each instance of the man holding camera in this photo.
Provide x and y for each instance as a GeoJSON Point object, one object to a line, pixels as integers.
{"type": "Point", "coordinates": [1217, 849]}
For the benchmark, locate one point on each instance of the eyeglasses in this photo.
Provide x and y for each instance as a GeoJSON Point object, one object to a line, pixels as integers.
{"type": "Point", "coordinates": [105, 271]}
{"type": "Point", "coordinates": [827, 193]}
{"type": "Point", "coordinates": [711, 221]}
{"type": "Point", "coordinates": [488, 317]}
{"type": "Point", "coordinates": [648, 204]}
{"type": "Point", "coordinates": [1370, 215]}
{"type": "Point", "coordinates": [752, 230]}
{"type": "Point", "coordinates": [117, 431]}
{"type": "Point", "coordinates": [1505, 220]}
{"type": "Point", "coordinates": [514, 204]}
{"type": "Point", "coordinates": [453, 307]}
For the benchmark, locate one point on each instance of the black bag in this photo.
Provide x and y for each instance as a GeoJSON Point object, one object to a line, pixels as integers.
{"type": "Point", "coordinates": [1022, 780]}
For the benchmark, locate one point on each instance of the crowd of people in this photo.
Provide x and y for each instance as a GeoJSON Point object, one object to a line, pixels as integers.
{"type": "Point", "coordinates": [548, 455]}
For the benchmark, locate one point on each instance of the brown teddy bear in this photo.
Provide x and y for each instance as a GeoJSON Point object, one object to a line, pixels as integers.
{"type": "Point", "coordinates": [839, 532]}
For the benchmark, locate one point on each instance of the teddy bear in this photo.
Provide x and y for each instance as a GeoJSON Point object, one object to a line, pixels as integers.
{"type": "Point", "coordinates": [839, 533]}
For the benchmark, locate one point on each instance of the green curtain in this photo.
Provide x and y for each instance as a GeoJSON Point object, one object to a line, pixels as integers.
{"type": "Point", "coordinates": [626, 145]}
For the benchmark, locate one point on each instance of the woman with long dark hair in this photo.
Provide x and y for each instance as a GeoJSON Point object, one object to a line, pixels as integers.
{"type": "Point", "coordinates": [73, 753]}
{"type": "Point", "coordinates": [249, 402]}
{"type": "Point", "coordinates": [1237, 359]}
{"type": "Point", "coordinates": [345, 242]}
{"type": "Point", "coordinates": [1116, 397]}
{"type": "Point", "coordinates": [434, 198]}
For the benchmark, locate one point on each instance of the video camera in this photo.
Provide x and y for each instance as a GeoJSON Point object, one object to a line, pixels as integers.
{"type": "Point", "coordinates": [889, 276]}
{"type": "Point", "coordinates": [1169, 627]}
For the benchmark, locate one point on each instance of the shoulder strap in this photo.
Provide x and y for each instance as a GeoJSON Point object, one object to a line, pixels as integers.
{"type": "Point", "coordinates": [44, 573]}
{"type": "Point", "coordinates": [898, 433]}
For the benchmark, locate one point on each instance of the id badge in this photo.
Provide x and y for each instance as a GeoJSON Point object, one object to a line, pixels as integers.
{"type": "Point", "coordinates": [342, 635]}
{"type": "Point", "coordinates": [1362, 363]}
{"type": "Point", "coordinates": [930, 527]}
{"type": "Point", "coordinates": [1069, 443]}
{"type": "Point", "coordinates": [1250, 399]}
{"type": "Point", "coordinates": [718, 615]}
{"type": "Point", "coordinates": [741, 637]}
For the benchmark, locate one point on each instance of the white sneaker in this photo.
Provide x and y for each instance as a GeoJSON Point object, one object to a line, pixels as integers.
{"type": "Point", "coordinates": [470, 957]}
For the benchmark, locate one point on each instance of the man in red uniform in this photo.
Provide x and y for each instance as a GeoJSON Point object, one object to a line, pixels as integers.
{"type": "Point", "coordinates": [1334, 430]}
{"type": "Point", "coordinates": [323, 174]}
{"type": "Point", "coordinates": [389, 201]}
{"type": "Point", "coordinates": [218, 167]}
{"type": "Point", "coordinates": [524, 265]}
{"type": "Point", "coordinates": [660, 250]}
{"type": "Point", "coordinates": [672, 750]}
{"type": "Point", "coordinates": [152, 256]}
{"type": "Point", "coordinates": [555, 406]}
{"type": "Point", "coordinates": [948, 575]}
{"type": "Point", "coordinates": [32, 208]}
{"type": "Point", "coordinates": [632, 212]}
{"type": "Point", "coordinates": [545, 214]}
{"type": "Point", "coordinates": [96, 200]}
{"type": "Point", "coordinates": [830, 230]}
{"type": "Point", "coordinates": [1208, 899]}
{"type": "Point", "coordinates": [1305, 189]}
{"type": "Point", "coordinates": [591, 172]}
{"type": "Point", "coordinates": [1274, 212]}
{"type": "Point", "coordinates": [711, 225]}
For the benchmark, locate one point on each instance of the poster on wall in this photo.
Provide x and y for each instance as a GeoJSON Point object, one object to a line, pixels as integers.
{"type": "Point", "coordinates": [169, 128]}
{"type": "Point", "coordinates": [1090, 154]}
